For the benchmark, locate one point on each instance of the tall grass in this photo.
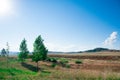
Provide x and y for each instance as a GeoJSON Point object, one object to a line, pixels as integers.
{"type": "Point", "coordinates": [85, 75]}
{"type": "Point", "coordinates": [17, 72]}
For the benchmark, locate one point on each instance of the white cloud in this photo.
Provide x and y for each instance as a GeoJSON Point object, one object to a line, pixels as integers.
{"type": "Point", "coordinates": [111, 39]}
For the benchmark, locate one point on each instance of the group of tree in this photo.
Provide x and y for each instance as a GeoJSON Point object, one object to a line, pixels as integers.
{"type": "Point", "coordinates": [5, 52]}
{"type": "Point", "coordinates": [39, 50]}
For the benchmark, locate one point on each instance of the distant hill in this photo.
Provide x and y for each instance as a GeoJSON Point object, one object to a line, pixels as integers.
{"type": "Point", "coordinates": [97, 50]}
{"type": "Point", "coordinates": [55, 52]}
{"type": "Point", "coordinates": [102, 49]}
{"type": "Point", "coordinates": [12, 53]}
{"type": "Point", "coordinates": [88, 51]}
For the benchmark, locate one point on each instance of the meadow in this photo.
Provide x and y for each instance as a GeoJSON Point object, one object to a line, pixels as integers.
{"type": "Point", "coordinates": [83, 66]}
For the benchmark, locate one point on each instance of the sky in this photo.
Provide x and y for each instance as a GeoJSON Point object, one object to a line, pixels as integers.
{"type": "Point", "coordinates": [65, 25]}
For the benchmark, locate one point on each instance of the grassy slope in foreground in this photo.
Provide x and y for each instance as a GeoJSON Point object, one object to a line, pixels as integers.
{"type": "Point", "coordinates": [18, 72]}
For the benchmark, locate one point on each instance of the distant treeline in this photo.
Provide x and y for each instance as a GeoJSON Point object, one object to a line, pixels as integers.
{"type": "Point", "coordinates": [102, 49]}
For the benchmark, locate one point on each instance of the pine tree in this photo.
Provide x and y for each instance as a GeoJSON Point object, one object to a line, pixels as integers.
{"type": "Point", "coordinates": [40, 51]}
{"type": "Point", "coordinates": [3, 52]}
{"type": "Point", "coordinates": [23, 50]}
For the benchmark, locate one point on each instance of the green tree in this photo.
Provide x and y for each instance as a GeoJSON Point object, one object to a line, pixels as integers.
{"type": "Point", "coordinates": [3, 52]}
{"type": "Point", "coordinates": [40, 51]}
{"type": "Point", "coordinates": [23, 50]}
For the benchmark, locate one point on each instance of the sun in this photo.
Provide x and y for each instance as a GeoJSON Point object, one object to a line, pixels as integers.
{"type": "Point", "coordinates": [5, 7]}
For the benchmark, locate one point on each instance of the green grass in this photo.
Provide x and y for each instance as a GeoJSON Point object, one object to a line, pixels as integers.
{"type": "Point", "coordinates": [45, 73]}
{"type": "Point", "coordinates": [13, 73]}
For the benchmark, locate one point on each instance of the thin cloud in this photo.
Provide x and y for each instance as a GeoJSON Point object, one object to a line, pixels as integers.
{"type": "Point", "coordinates": [111, 39]}
{"type": "Point", "coordinates": [58, 47]}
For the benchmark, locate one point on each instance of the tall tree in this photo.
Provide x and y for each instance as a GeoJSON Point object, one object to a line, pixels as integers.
{"type": "Point", "coordinates": [7, 51]}
{"type": "Point", "coordinates": [3, 52]}
{"type": "Point", "coordinates": [23, 50]}
{"type": "Point", "coordinates": [40, 51]}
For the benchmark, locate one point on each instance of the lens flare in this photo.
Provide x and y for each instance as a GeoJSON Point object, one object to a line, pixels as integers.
{"type": "Point", "coordinates": [5, 7]}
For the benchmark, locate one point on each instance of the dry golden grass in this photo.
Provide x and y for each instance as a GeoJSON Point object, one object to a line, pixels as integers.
{"type": "Point", "coordinates": [90, 69]}
{"type": "Point", "coordinates": [92, 55]}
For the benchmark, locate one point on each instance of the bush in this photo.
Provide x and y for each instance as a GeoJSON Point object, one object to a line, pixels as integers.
{"type": "Point", "coordinates": [48, 59]}
{"type": "Point", "coordinates": [1, 77]}
{"type": "Point", "coordinates": [63, 61]}
{"type": "Point", "coordinates": [52, 60]}
{"type": "Point", "coordinates": [67, 66]}
{"type": "Point", "coordinates": [53, 65]}
{"type": "Point", "coordinates": [78, 61]}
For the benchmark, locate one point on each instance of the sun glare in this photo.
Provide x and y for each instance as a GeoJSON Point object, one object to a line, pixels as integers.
{"type": "Point", "coordinates": [5, 7]}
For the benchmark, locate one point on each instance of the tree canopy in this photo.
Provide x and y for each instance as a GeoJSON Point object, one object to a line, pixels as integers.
{"type": "Point", "coordinates": [3, 52]}
{"type": "Point", "coordinates": [40, 51]}
{"type": "Point", "coordinates": [23, 50]}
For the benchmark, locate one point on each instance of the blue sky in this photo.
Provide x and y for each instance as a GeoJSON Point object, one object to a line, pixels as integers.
{"type": "Point", "coordinates": [65, 25]}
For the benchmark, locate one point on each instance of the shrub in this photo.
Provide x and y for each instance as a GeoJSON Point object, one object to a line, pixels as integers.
{"type": "Point", "coordinates": [53, 65]}
{"type": "Point", "coordinates": [1, 77]}
{"type": "Point", "coordinates": [78, 61]}
{"type": "Point", "coordinates": [29, 56]}
{"type": "Point", "coordinates": [67, 66]}
{"type": "Point", "coordinates": [63, 62]}
{"type": "Point", "coordinates": [48, 59]}
{"type": "Point", "coordinates": [52, 60]}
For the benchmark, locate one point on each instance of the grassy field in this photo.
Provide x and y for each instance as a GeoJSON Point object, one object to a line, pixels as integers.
{"type": "Point", "coordinates": [91, 55]}
{"type": "Point", "coordinates": [89, 69]}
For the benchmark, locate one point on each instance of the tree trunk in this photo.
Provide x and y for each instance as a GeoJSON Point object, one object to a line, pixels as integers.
{"type": "Point", "coordinates": [37, 66]}
{"type": "Point", "coordinates": [7, 59]}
